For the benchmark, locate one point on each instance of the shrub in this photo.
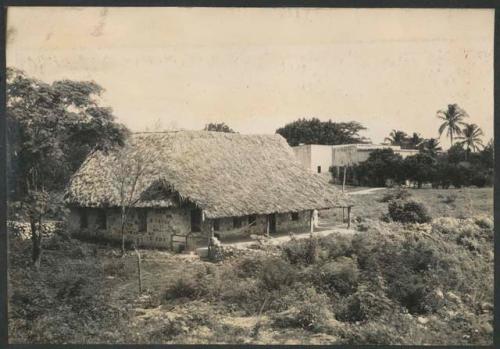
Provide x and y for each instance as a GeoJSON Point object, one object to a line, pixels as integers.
{"type": "Point", "coordinates": [340, 275]}
{"type": "Point", "coordinates": [250, 266]}
{"type": "Point", "coordinates": [408, 212]}
{"type": "Point", "coordinates": [484, 222]}
{"type": "Point", "coordinates": [184, 287]}
{"type": "Point", "coordinates": [310, 312]}
{"type": "Point", "coordinates": [415, 291]}
{"type": "Point", "coordinates": [336, 245]}
{"type": "Point", "coordinates": [243, 294]}
{"type": "Point", "coordinates": [479, 179]}
{"type": "Point", "coordinates": [363, 306]}
{"type": "Point", "coordinates": [277, 273]}
{"type": "Point", "coordinates": [303, 251]}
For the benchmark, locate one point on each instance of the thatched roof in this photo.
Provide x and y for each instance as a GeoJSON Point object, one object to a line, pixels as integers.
{"type": "Point", "coordinates": [224, 174]}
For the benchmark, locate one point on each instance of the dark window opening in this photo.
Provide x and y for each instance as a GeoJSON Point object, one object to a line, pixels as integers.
{"type": "Point", "coordinates": [236, 222]}
{"type": "Point", "coordinates": [319, 169]}
{"type": "Point", "coordinates": [196, 220]}
{"type": "Point", "coordinates": [101, 219]}
{"type": "Point", "coordinates": [295, 216]}
{"type": "Point", "coordinates": [84, 219]}
{"type": "Point", "coordinates": [143, 221]}
{"type": "Point", "coordinates": [252, 219]}
{"type": "Point", "coordinates": [216, 224]}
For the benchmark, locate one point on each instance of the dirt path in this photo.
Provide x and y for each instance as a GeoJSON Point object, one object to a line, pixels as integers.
{"type": "Point", "coordinates": [365, 191]}
{"type": "Point", "coordinates": [282, 239]}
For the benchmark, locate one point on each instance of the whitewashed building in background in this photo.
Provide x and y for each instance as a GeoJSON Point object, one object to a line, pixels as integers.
{"type": "Point", "coordinates": [319, 158]}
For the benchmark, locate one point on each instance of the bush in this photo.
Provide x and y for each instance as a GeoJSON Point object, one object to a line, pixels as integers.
{"type": "Point", "coordinates": [310, 312]}
{"type": "Point", "coordinates": [484, 222]}
{"type": "Point", "coordinates": [364, 306]}
{"type": "Point", "coordinates": [185, 287]}
{"type": "Point", "coordinates": [277, 273]}
{"type": "Point", "coordinates": [335, 245]}
{"type": "Point", "coordinates": [408, 212]}
{"type": "Point", "coordinates": [243, 294]}
{"type": "Point", "coordinates": [250, 266]}
{"type": "Point", "coordinates": [340, 275]}
{"type": "Point", "coordinates": [413, 292]}
{"type": "Point", "coordinates": [303, 251]}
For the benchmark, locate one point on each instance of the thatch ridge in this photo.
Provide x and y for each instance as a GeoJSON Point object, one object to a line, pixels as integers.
{"type": "Point", "coordinates": [225, 174]}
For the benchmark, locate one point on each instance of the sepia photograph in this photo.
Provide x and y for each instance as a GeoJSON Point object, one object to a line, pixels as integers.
{"type": "Point", "coordinates": [258, 176]}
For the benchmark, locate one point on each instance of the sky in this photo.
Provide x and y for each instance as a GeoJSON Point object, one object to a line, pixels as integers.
{"type": "Point", "coordinates": [258, 69]}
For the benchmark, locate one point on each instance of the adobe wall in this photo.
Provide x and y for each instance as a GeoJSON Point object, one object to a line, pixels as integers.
{"type": "Point", "coordinates": [321, 155]}
{"type": "Point", "coordinates": [161, 224]}
{"type": "Point", "coordinates": [303, 154]}
{"type": "Point", "coordinates": [284, 223]}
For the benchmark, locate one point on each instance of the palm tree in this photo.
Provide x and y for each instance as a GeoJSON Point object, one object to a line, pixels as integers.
{"type": "Point", "coordinates": [414, 141]}
{"type": "Point", "coordinates": [397, 137]}
{"type": "Point", "coordinates": [471, 139]}
{"type": "Point", "coordinates": [430, 146]}
{"type": "Point", "coordinates": [452, 117]}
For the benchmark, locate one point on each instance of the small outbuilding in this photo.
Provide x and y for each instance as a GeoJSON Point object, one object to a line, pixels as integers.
{"type": "Point", "coordinates": [203, 183]}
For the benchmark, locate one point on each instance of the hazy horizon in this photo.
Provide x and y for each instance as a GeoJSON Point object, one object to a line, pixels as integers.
{"type": "Point", "coordinates": [259, 69]}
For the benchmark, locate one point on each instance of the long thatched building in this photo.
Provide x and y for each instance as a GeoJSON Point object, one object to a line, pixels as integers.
{"type": "Point", "coordinates": [183, 186]}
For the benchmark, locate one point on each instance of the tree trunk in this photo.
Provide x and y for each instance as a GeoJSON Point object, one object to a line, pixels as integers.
{"type": "Point", "coordinates": [36, 239]}
{"type": "Point", "coordinates": [123, 231]}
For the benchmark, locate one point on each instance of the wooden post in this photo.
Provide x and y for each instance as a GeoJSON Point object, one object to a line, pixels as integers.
{"type": "Point", "coordinates": [312, 221]}
{"type": "Point", "coordinates": [343, 180]}
{"type": "Point", "coordinates": [343, 214]}
{"type": "Point", "coordinates": [211, 232]}
{"type": "Point", "coordinates": [210, 236]}
{"type": "Point", "coordinates": [268, 227]}
{"type": "Point", "coordinates": [139, 269]}
{"type": "Point", "coordinates": [349, 217]}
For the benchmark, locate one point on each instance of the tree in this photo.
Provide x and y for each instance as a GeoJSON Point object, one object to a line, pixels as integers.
{"type": "Point", "coordinates": [419, 168]}
{"type": "Point", "coordinates": [218, 127]}
{"type": "Point", "coordinates": [452, 120]}
{"type": "Point", "coordinates": [471, 139]}
{"type": "Point", "coordinates": [382, 165]}
{"type": "Point", "coordinates": [315, 131]}
{"type": "Point", "coordinates": [45, 124]}
{"type": "Point", "coordinates": [414, 141]}
{"type": "Point", "coordinates": [430, 146]}
{"type": "Point", "coordinates": [131, 172]}
{"type": "Point", "coordinates": [456, 154]}
{"type": "Point", "coordinates": [397, 137]}
{"type": "Point", "coordinates": [486, 156]}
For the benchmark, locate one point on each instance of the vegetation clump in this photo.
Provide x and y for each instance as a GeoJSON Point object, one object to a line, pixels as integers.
{"type": "Point", "coordinates": [408, 211]}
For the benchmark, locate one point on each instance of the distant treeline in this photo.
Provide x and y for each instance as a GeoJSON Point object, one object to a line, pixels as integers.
{"type": "Point", "coordinates": [457, 167]}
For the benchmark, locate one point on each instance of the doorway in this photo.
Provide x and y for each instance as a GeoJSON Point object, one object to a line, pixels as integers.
{"type": "Point", "coordinates": [272, 223]}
